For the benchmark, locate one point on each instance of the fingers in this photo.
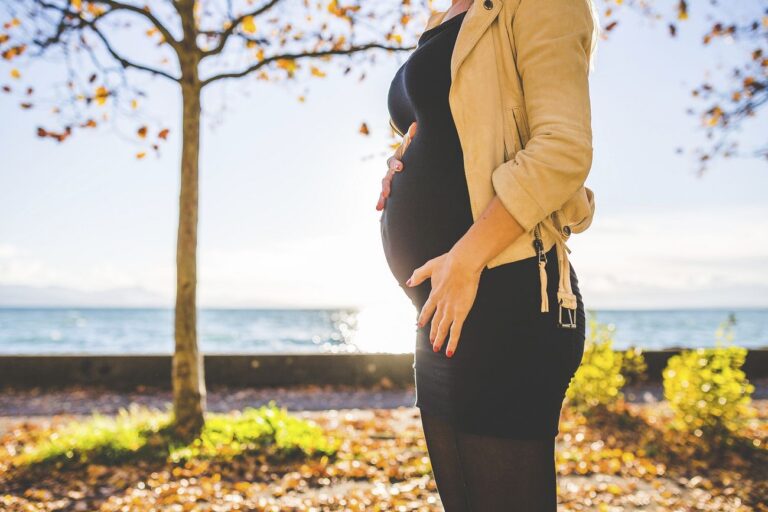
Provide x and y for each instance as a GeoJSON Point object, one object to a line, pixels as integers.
{"type": "Point", "coordinates": [412, 130]}
{"type": "Point", "coordinates": [420, 274]}
{"type": "Point", "coordinates": [386, 185]}
{"type": "Point", "coordinates": [453, 342]}
{"type": "Point", "coordinates": [446, 323]}
{"type": "Point", "coordinates": [426, 311]}
{"type": "Point", "coordinates": [394, 164]}
{"type": "Point", "coordinates": [439, 329]}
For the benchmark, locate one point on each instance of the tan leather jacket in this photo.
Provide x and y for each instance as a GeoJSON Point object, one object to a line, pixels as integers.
{"type": "Point", "coordinates": [520, 100]}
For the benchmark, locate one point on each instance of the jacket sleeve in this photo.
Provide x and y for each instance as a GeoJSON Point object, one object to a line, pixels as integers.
{"type": "Point", "coordinates": [553, 40]}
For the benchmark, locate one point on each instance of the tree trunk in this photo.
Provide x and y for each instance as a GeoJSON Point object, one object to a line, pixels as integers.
{"type": "Point", "coordinates": [188, 377]}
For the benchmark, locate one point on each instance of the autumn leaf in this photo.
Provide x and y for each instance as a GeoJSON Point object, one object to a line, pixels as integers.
{"type": "Point", "coordinates": [101, 95]}
{"type": "Point", "coordinates": [249, 25]}
{"type": "Point", "coordinates": [142, 132]}
{"type": "Point", "coordinates": [140, 155]}
{"type": "Point", "coordinates": [13, 51]}
{"type": "Point", "coordinates": [163, 134]}
{"type": "Point", "coordinates": [15, 73]}
{"type": "Point", "coordinates": [3, 38]}
{"type": "Point", "coordinates": [287, 64]}
{"type": "Point", "coordinates": [364, 129]}
{"type": "Point", "coordinates": [317, 72]}
{"type": "Point", "coordinates": [15, 22]}
{"type": "Point", "coordinates": [134, 104]}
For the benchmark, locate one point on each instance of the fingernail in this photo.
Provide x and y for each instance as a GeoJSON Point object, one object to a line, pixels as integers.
{"type": "Point", "coordinates": [435, 348]}
{"type": "Point", "coordinates": [408, 282]}
{"type": "Point", "coordinates": [449, 353]}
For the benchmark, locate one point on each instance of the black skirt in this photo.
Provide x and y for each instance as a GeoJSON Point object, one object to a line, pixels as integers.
{"type": "Point", "coordinates": [513, 363]}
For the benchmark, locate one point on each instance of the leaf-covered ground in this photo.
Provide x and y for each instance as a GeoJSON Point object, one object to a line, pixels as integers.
{"type": "Point", "coordinates": [624, 460]}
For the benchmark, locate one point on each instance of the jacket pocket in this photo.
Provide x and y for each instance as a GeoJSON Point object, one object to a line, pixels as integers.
{"type": "Point", "coordinates": [521, 124]}
{"type": "Point", "coordinates": [515, 131]}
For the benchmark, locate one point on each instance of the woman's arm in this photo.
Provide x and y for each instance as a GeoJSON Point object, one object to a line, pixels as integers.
{"type": "Point", "coordinates": [554, 39]}
{"type": "Point", "coordinates": [456, 274]}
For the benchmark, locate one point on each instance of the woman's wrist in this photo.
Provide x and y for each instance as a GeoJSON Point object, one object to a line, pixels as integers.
{"type": "Point", "coordinates": [493, 230]}
{"type": "Point", "coordinates": [467, 256]}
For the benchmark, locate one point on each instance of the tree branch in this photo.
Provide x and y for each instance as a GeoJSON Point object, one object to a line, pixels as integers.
{"type": "Point", "coordinates": [224, 35]}
{"type": "Point", "coordinates": [147, 14]}
{"type": "Point", "coordinates": [79, 23]}
{"type": "Point", "coordinates": [125, 62]}
{"type": "Point", "coordinates": [301, 55]}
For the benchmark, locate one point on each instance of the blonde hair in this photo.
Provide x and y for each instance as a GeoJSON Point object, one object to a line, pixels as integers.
{"type": "Point", "coordinates": [595, 33]}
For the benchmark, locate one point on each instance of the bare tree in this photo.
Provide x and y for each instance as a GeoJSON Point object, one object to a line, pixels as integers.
{"type": "Point", "coordinates": [194, 44]}
{"type": "Point", "coordinates": [736, 91]}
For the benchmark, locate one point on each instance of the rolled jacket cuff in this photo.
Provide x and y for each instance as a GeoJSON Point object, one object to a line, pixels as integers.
{"type": "Point", "coordinates": [515, 198]}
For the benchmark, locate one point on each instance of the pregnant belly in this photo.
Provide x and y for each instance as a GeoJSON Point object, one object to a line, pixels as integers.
{"type": "Point", "coordinates": [428, 210]}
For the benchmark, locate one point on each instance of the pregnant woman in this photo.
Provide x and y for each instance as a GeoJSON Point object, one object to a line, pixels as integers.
{"type": "Point", "coordinates": [467, 203]}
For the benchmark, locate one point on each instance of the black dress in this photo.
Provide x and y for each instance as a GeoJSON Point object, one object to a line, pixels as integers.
{"type": "Point", "coordinates": [513, 363]}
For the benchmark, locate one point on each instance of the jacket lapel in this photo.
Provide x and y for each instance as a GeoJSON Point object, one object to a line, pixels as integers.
{"type": "Point", "coordinates": [478, 18]}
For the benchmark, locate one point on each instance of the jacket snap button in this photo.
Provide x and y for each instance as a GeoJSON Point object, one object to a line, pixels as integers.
{"type": "Point", "coordinates": [567, 230]}
{"type": "Point", "coordinates": [488, 4]}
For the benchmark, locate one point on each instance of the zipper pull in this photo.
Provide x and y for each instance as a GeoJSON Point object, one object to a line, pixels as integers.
{"type": "Point", "coordinates": [538, 244]}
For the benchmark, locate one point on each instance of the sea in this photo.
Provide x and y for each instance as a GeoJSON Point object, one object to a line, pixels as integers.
{"type": "Point", "coordinates": [68, 330]}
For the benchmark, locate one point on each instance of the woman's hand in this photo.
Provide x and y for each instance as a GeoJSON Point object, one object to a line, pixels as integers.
{"type": "Point", "coordinates": [454, 287]}
{"type": "Point", "coordinates": [395, 165]}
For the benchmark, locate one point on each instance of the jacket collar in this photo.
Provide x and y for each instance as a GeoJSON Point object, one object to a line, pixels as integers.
{"type": "Point", "coordinates": [479, 17]}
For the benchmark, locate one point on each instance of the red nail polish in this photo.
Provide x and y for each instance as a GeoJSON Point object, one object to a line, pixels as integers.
{"type": "Point", "coordinates": [449, 353]}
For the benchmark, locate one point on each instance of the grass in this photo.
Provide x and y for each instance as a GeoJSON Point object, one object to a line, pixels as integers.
{"type": "Point", "coordinates": [143, 434]}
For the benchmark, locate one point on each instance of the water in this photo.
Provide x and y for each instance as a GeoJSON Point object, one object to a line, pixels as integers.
{"type": "Point", "coordinates": [376, 329]}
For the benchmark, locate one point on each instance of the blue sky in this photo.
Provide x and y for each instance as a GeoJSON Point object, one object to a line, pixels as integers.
{"type": "Point", "coordinates": [288, 191]}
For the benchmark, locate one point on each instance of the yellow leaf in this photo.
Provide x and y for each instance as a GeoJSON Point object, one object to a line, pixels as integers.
{"type": "Point", "coordinates": [317, 72]}
{"type": "Point", "coordinates": [134, 104]}
{"type": "Point", "coordinates": [287, 64]}
{"type": "Point", "coordinates": [260, 54]}
{"type": "Point", "coordinates": [15, 73]}
{"type": "Point", "coordinates": [95, 9]}
{"type": "Point", "coordinates": [141, 155]}
{"type": "Point", "coordinates": [249, 26]}
{"type": "Point", "coordinates": [77, 5]}
{"type": "Point", "coordinates": [101, 95]}
{"type": "Point", "coordinates": [142, 132]}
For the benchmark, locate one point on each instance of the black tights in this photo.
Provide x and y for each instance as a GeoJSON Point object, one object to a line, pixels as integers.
{"type": "Point", "coordinates": [477, 473]}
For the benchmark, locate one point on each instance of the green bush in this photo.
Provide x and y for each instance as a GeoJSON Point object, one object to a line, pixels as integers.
{"type": "Point", "coordinates": [708, 391]}
{"type": "Point", "coordinates": [598, 381]}
{"type": "Point", "coordinates": [140, 433]}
